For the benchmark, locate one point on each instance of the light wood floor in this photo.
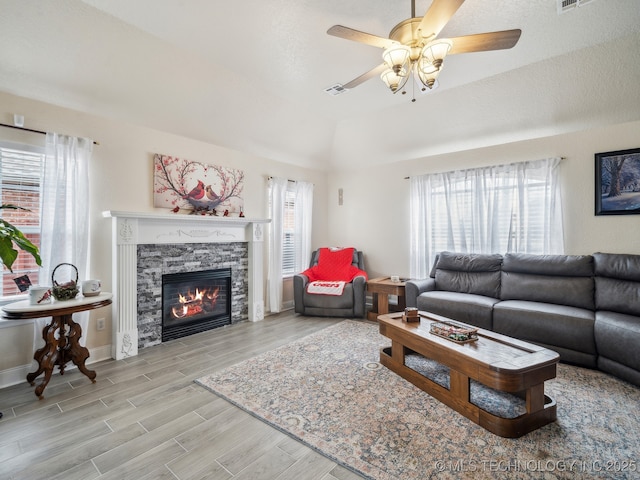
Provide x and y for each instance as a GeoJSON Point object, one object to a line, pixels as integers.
{"type": "Point", "coordinates": [145, 418]}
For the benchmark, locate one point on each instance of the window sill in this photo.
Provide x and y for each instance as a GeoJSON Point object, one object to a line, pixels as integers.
{"type": "Point", "coordinates": [16, 298]}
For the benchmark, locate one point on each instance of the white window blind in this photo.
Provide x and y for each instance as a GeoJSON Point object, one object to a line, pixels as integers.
{"type": "Point", "coordinates": [289, 237]}
{"type": "Point", "coordinates": [21, 170]}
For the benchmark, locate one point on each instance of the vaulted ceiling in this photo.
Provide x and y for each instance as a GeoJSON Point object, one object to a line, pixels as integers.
{"type": "Point", "coordinates": [251, 74]}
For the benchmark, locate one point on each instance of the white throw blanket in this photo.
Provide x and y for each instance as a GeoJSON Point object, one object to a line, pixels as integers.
{"type": "Point", "coordinates": [323, 287]}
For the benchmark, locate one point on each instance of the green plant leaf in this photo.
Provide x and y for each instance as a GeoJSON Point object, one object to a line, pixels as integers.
{"type": "Point", "coordinates": [8, 254]}
{"type": "Point", "coordinates": [10, 235]}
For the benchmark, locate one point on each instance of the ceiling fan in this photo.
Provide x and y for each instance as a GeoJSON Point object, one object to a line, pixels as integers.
{"type": "Point", "coordinates": [414, 49]}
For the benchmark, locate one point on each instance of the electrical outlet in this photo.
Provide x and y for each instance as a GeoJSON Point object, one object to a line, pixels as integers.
{"type": "Point", "coordinates": [101, 324]}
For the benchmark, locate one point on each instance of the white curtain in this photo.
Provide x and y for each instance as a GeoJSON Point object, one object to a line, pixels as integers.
{"type": "Point", "coordinates": [64, 214]}
{"type": "Point", "coordinates": [302, 213]}
{"type": "Point", "coordinates": [277, 191]}
{"type": "Point", "coordinates": [497, 209]}
{"type": "Point", "coordinates": [303, 220]}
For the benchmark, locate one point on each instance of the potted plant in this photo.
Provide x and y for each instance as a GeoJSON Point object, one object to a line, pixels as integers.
{"type": "Point", "coordinates": [10, 236]}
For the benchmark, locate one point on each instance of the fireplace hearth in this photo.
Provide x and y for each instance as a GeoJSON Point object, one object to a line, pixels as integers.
{"type": "Point", "coordinates": [194, 302]}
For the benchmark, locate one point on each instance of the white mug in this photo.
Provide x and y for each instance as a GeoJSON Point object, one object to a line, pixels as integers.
{"type": "Point", "coordinates": [39, 295]}
{"type": "Point", "coordinates": [91, 288]}
{"type": "Point", "coordinates": [395, 278]}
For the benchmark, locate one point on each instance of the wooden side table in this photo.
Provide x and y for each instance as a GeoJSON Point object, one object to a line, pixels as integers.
{"type": "Point", "coordinates": [61, 335]}
{"type": "Point", "coordinates": [381, 288]}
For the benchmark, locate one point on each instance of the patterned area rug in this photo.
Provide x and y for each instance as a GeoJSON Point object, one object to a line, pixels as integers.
{"type": "Point", "coordinates": [329, 391]}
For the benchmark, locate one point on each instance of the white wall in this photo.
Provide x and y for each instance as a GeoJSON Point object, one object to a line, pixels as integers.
{"type": "Point", "coordinates": [374, 217]}
{"type": "Point", "coordinates": [121, 177]}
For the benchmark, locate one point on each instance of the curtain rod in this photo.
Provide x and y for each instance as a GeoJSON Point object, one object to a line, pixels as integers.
{"type": "Point", "coordinates": [288, 179]}
{"type": "Point", "coordinates": [30, 130]}
{"type": "Point", "coordinates": [561, 158]}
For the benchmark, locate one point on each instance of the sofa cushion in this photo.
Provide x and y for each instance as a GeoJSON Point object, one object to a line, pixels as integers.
{"type": "Point", "coordinates": [617, 337]}
{"type": "Point", "coordinates": [469, 273]}
{"type": "Point", "coordinates": [557, 279]}
{"type": "Point", "coordinates": [547, 323]}
{"type": "Point", "coordinates": [617, 282]}
{"type": "Point", "coordinates": [463, 307]}
{"type": "Point", "coordinates": [617, 265]}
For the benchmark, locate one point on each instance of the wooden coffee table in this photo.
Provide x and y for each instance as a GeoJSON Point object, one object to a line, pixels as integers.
{"type": "Point", "coordinates": [497, 361]}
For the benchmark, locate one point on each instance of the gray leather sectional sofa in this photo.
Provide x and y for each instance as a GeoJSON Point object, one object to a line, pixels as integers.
{"type": "Point", "coordinates": [585, 307]}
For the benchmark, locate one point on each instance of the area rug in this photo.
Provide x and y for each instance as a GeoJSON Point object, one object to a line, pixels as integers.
{"type": "Point", "coordinates": [329, 391]}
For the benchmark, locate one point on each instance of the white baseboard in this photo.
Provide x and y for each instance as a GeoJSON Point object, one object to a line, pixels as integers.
{"type": "Point", "coordinates": [16, 375]}
{"type": "Point", "coordinates": [288, 305]}
{"type": "Point", "coordinates": [99, 354]}
{"type": "Point", "coordinates": [13, 376]}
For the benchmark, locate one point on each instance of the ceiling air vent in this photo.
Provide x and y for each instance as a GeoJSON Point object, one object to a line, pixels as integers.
{"type": "Point", "coordinates": [566, 5]}
{"type": "Point", "coordinates": [336, 89]}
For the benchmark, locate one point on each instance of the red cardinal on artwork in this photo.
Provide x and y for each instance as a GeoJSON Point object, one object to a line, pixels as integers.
{"type": "Point", "coordinates": [197, 193]}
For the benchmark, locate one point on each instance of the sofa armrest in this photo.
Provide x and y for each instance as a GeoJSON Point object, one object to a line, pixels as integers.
{"type": "Point", "coordinates": [299, 285]}
{"type": "Point", "coordinates": [359, 296]}
{"type": "Point", "coordinates": [413, 288]}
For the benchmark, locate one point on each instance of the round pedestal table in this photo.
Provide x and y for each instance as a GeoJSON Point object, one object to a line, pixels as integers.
{"type": "Point", "coordinates": [61, 335]}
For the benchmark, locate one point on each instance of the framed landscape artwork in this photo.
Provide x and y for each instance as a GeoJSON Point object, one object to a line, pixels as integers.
{"type": "Point", "coordinates": [618, 182]}
{"type": "Point", "coordinates": [180, 184]}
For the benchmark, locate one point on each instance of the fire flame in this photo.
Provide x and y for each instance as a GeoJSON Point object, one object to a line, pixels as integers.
{"type": "Point", "coordinates": [192, 303]}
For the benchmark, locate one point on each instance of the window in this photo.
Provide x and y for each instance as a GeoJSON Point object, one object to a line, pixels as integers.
{"type": "Point", "coordinates": [21, 170]}
{"type": "Point", "coordinates": [498, 209]}
{"type": "Point", "coordinates": [290, 207]}
{"type": "Point", "coordinates": [289, 239]}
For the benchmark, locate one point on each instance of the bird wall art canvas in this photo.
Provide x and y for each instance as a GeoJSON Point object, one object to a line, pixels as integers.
{"type": "Point", "coordinates": [181, 184]}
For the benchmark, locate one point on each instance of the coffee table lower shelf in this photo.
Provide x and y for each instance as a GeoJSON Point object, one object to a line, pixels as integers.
{"type": "Point", "coordinates": [458, 398]}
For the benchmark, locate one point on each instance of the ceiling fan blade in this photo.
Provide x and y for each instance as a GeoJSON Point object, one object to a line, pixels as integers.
{"type": "Point", "coordinates": [439, 13]}
{"type": "Point", "coordinates": [361, 37]}
{"type": "Point", "coordinates": [366, 76]}
{"type": "Point", "coordinates": [483, 42]}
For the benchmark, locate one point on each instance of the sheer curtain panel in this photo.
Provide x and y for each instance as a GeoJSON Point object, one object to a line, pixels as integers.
{"type": "Point", "coordinates": [64, 212]}
{"type": "Point", "coordinates": [303, 220]}
{"type": "Point", "coordinates": [277, 191]}
{"type": "Point", "coordinates": [291, 204]}
{"type": "Point", "coordinates": [497, 209]}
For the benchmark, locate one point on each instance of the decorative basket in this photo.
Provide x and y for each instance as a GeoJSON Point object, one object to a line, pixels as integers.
{"type": "Point", "coordinates": [67, 290]}
{"type": "Point", "coordinates": [454, 332]}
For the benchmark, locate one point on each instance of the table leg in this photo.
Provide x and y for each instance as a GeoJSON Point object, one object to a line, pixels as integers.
{"type": "Point", "coordinates": [535, 398]}
{"type": "Point", "coordinates": [47, 356]}
{"type": "Point", "coordinates": [76, 352]}
{"type": "Point", "coordinates": [398, 351]}
{"type": "Point", "coordinates": [459, 386]}
{"type": "Point", "coordinates": [383, 303]}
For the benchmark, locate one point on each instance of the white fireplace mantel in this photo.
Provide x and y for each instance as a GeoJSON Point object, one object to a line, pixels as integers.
{"type": "Point", "coordinates": [130, 229]}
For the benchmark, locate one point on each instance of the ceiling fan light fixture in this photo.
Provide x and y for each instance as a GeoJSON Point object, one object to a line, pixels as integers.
{"type": "Point", "coordinates": [426, 67]}
{"type": "Point", "coordinates": [413, 49]}
{"type": "Point", "coordinates": [396, 57]}
{"type": "Point", "coordinates": [428, 79]}
{"type": "Point", "coordinates": [394, 81]}
{"type": "Point", "coordinates": [434, 52]}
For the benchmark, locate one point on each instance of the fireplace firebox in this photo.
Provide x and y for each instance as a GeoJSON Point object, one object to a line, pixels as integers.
{"type": "Point", "coordinates": [194, 302]}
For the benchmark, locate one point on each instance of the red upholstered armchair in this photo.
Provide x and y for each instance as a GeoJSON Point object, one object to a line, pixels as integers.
{"type": "Point", "coordinates": [338, 278]}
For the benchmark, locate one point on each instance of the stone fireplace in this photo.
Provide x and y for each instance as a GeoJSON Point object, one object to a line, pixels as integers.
{"type": "Point", "coordinates": [148, 246]}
